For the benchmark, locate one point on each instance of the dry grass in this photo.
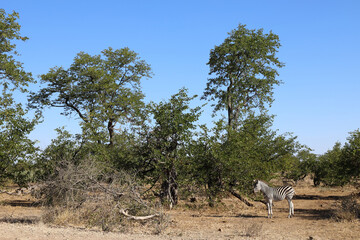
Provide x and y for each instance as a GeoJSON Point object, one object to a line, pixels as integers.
{"type": "Point", "coordinates": [230, 220]}
{"type": "Point", "coordinates": [253, 230]}
{"type": "Point", "coordinates": [94, 196]}
{"type": "Point", "coordinates": [348, 209]}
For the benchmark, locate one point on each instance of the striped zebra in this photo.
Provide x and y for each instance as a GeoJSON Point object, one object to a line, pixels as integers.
{"type": "Point", "coordinates": [275, 194]}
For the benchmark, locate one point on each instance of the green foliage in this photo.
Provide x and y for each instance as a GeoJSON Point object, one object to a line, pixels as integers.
{"type": "Point", "coordinates": [327, 168]}
{"type": "Point", "coordinates": [167, 143]}
{"type": "Point", "coordinates": [65, 146]}
{"type": "Point", "coordinates": [255, 151]}
{"type": "Point", "coordinates": [244, 69]}
{"type": "Point", "coordinates": [341, 164]}
{"type": "Point", "coordinates": [205, 167]}
{"type": "Point", "coordinates": [244, 73]}
{"type": "Point", "coordinates": [11, 71]}
{"type": "Point", "coordinates": [103, 90]}
{"type": "Point", "coordinates": [350, 159]}
{"type": "Point", "coordinates": [298, 166]}
{"type": "Point", "coordinates": [125, 154]}
{"type": "Point", "coordinates": [229, 159]}
{"type": "Point", "coordinates": [15, 147]}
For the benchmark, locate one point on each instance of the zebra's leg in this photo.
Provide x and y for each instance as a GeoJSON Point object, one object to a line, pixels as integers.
{"type": "Point", "coordinates": [270, 212]}
{"type": "Point", "coordinates": [291, 208]}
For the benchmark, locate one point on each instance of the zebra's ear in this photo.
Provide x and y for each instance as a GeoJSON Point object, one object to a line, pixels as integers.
{"type": "Point", "coordinates": [255, 181]}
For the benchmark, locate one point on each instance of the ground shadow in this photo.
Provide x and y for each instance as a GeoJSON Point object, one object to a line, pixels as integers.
{"type": "Point", "coordinates": [314, 214]}
{"type": "Point", "coordinates": [318, 197]}
{"type": "Point", "coordinates": [249, 216]}
{"type": "Point", "coordinates": [232, 216]}
{"type": "Point", "coordinates": [23, 220]}
{"type": "Point", "coordinates": [20, 203]}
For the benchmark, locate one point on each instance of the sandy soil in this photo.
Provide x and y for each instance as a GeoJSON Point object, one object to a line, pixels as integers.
{"type": "Point", "coordinates": [21, 219]}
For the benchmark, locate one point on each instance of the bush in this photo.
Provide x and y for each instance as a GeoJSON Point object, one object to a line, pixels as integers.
{"type": "Point", "coordinates": [348, 210]}
{"type": "Point", "coordinates": [94, 195]}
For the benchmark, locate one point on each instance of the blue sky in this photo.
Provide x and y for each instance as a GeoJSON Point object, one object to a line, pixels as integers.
{"type": "Point", "coordinates": [318, 102]}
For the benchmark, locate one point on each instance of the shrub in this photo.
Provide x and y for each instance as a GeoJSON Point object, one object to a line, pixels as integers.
{"type": "Point", "coordinates": [93, 195]}
{"type": "Point", "coordinates": [348, 210]}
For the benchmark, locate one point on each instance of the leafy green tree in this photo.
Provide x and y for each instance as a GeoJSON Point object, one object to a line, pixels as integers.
{"type": "Point", "coordinates": [255, 151]}
{"type": "Point", "coordinates": [350, 158]}
{"type": "Point", "coordinates": [15, 146]}
{"type": "Point", "coordinates": [65, 147]}
{"type": "Point", "coordinates": [12, 73]}
{"type": "Point", "coordinates": [230, 162]}
{"type": "Point", "coordinates": [102, 90]}
{"type": "Point", "coordinates": [244, 70]}
{"type": "Point", "coordinates": [167, 143]}
{"type": "Point", "coordinates": [327, 167]}
{"type": "Point", "coordinates": [298, 166]}
{"type": "Point", "coordinates": [340, 165]}
{"type": "Point", "coordinates": [205, 168]}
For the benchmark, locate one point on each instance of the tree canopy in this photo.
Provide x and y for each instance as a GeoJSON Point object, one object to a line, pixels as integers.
{"type": "Point", "coordinates": [169, 152]}
{"type": "Point", "coordinates": [15, 146]}
{"type": "Point", "coordinates": [102, 90]}
{"type": "Point", "coordinates": [243, 73]}
{"type": "Point", "coordinates": [11, 70]}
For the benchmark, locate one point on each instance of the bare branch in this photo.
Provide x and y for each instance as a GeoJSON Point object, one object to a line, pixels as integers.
{"type": "Point", "coordinates": [125, 213]}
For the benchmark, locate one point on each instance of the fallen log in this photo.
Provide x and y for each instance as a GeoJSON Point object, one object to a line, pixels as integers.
{"type": "Point", "coordinates": [235, 194]}
{"type": "Point", "coordinates": [125, 213]}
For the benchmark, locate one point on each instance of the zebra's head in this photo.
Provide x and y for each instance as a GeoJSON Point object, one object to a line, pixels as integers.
{"type": "Point", "coordinates": [257, 186]}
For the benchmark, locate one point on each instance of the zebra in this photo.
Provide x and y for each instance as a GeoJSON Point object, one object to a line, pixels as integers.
{"type": "Point", "coordinates": [275, 194]}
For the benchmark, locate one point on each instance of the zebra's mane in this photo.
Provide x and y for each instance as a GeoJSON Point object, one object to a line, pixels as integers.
{"type": "Point", "coordinates": [259, 180]}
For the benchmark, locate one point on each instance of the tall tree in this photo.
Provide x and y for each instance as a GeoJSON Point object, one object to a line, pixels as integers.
{"type": "Point", "coordinates": [350, 158]}
{"type": "Point", "coordinates": [231, 162]}
{"type": "Point", "coordinates": [244, 71]}
{"type": "Point", "coordinates": [102, 90]}
{"type": "Point", "coordinates": [15, 146]}
{"type": "Point", "coordinates": [167, 144]}
{"type": "Point", "coordinates": [12, 73]}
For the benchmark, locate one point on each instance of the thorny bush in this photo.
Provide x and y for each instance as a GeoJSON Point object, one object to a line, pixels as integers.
{"type": "Point", "coordinates": [95, 195]}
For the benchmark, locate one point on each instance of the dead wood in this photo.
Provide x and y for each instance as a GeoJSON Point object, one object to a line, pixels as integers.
{"type": "Point", "coordinates": [125, 213]}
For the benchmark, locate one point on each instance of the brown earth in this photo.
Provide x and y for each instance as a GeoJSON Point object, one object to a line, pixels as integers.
{"type": "Point", "coordinates": [20, 218]}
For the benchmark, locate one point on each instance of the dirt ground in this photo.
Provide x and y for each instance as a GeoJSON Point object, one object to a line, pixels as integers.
{"type": "Point", "coordinates": [20, 218]}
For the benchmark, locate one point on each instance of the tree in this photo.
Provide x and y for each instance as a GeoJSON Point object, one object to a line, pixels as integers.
{"type": "Point", "coordinates": [102, 90]}
{"type": "Point", "coordinates": [327, 167]}
{"type": "Point", "coordinates": [205, 169]}
{"type": "Point", "coordinates": [167, 143]}
{"type": "Point", "coordinates": [227, 159]}
{"type": "Point", "coordinates": [350, 158]}
{"type": "Point", "coordinates": [254, 151]}
{"type": "Point", "coordinates": [298, 166]}
{"type": "Point", "coordinates": [15, 146]}
{"type": "Point", "coordinates": [340, 165]}
{"type": "Point", "coordinates": [12, 73]}
{"type": "Point", "coordinates": [244, 70]}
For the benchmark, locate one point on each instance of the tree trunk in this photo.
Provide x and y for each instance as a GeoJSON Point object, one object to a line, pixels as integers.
{"type": "Point", "coordinates": [229, 109]}
{"type": "Point", "coordinates": [169, 188]}
{"type": "Point", "coordinates": [235, 194]}
{"type": "Point", "coordinates": [111, 132]}
{"type": "Point", "coordinates": [229, 104]}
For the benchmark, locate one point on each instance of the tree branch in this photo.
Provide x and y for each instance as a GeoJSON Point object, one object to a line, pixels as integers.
{"type": "Point", "coordinates": [125, 213]}
{"type": "Point", "coordinates": [76, 109]}
{"type": "Point", "coordinates": [235, 194]}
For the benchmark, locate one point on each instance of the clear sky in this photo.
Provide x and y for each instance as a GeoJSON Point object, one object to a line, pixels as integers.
{"type": "Point", "coordinates": [318, 102]}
